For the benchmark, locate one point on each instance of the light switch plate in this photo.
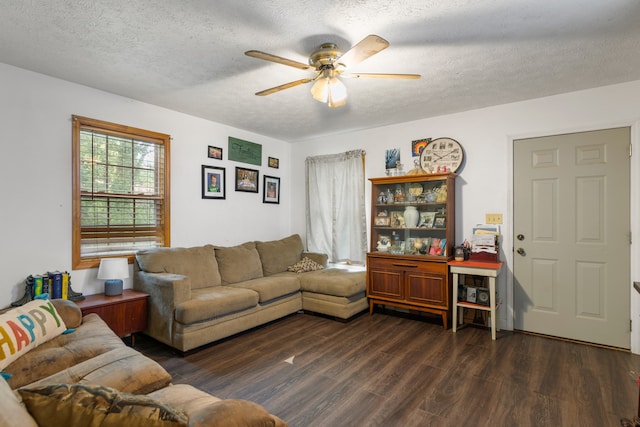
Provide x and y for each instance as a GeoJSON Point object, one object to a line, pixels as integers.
{"type": "Point", "coordinates": [494, 218]}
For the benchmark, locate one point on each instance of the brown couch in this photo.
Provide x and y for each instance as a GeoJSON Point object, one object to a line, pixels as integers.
{"type": "Point", "coordinates": [68, 379]}
{"type": "Point", "coordinates": [201, 294]}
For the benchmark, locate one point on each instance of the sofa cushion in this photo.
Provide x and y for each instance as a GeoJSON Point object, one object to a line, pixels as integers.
{"type": "Point", "coordinates": [26, 327]}
{"type": "Point", "coordinates": [213, 302]}
{"type": "Point", "coordinates": [238, 263]}
{"type": "Point", "coordinates": [12, 411]}
{"type": "Point", "coordinates": [271, 287]}
{"type": "Point", "coordinates": [304, 265]}
{"type": "Point", "coordinates": [334, 281]}
{"type": "Point", "coordinates": [90, 339]}
{"type": "Point", "coordinates": [123, 368]}
{"type": "Point", "coordinates": [198, 263]}
{"type": "Point", "coordinates": [206, 410]}
{"type": "Point", "coordinates": [277, 255]}
{"type": "Point", "coordinates": [82, 405]}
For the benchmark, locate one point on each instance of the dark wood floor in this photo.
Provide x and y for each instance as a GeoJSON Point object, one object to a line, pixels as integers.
{"type": "Point", "coordinates": [389, 370]}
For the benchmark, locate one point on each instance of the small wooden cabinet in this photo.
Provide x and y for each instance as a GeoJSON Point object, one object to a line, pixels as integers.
{"type": "Point", "coordinates": [125, 314]}
{"type": "Point", "coordinates": [407, 264]}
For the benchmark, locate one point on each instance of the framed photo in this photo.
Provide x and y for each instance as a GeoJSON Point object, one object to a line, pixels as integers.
{"type": "Point", "coordinates": [274, 163]}
{"type": "Point", "coordinates": [440, 221]}
{"type": "Point", "coordinates": [382, 221]}
{"type": "Point", "coordinates": [427, 219]}
{"type": "Point", "coordinates": [271, 189]}
{"type": "Point", "coordinates": [215, 152]}
{"type": "Point", "coordinates": [213, 182]}
{"type": "Point", "coordinates": [247, 180]}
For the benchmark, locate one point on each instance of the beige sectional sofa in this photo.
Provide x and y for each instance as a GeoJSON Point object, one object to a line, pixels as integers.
{"type": "Point", "coordinates": [199, 295]}
{"type": "Point", "coordinates": [90, 377]}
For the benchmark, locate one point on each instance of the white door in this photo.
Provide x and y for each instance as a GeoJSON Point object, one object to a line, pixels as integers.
{"type": "Point", "coordinates": [572, 236]}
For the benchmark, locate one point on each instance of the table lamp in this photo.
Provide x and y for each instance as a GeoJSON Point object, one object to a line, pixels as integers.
{"type": "Point", "coordinates": [112, 271]}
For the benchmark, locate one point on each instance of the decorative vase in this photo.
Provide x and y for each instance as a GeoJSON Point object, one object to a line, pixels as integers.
{"type": "Point", "coordinates": [411, 217]}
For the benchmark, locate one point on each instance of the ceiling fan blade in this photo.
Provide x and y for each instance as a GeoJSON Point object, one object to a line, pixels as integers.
{"type": "Point", "coordinates": [366, 48]}
{"type": "Point", "coordinates": [283, 87]}
{"type": "Point", "coordinates": [278, 59]}
{"type": "Point", "coordinates": [381, 76]}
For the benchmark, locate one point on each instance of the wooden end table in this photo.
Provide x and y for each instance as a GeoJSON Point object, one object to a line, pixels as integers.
{"type": "Point", "coordinates": [475, 268]}
{"type": "Point", "coordinates": [125, 314]}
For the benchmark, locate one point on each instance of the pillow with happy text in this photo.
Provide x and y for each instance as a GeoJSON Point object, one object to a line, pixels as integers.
{"type": "Point", "coordinates": [26, 327]}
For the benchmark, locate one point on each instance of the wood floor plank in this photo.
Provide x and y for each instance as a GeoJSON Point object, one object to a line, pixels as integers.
{"type": "Point", "coordinates": [396, 370]}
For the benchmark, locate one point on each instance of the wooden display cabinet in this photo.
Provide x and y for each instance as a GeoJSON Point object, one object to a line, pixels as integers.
{"type": "Point", "coordinates": [407, 263]}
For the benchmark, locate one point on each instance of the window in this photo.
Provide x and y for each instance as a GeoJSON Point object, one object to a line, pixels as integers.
{"type": "Point", "coordinates": [120, 191]}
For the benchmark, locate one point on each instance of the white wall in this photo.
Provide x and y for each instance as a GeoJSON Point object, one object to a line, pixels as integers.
{"type": "Point", "coordinates": [35, 170]}
{"type": "Point", "coordinates": [35, 177]}
{"type": "Point", "coordinates": [485, 182]}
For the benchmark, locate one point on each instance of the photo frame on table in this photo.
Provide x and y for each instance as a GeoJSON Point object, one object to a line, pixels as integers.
{"type": "Point", "coordinates": [247, 180]}
{"type": "Point", "coordinates": [215, 152]}
{"type": "Point", "coordinates": [213, 182]}
{"type": "Point", "coordinates": [271, 189]}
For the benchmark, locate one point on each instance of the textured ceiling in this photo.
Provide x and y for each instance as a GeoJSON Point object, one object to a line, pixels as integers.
{"type": "Point", "coordinates": [188, 55]}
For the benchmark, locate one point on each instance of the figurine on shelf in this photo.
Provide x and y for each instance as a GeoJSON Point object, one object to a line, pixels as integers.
{"type": "Point", "coordinates": [417, 170]}
{"type": "Point", "coordinates": [383, 244]}
{"type": "Point", "coordinates": [389, 196]}
{"type": "Point", "coordinates": [398, 197]}
{"type": "Point", "coordinates": [382, 199]}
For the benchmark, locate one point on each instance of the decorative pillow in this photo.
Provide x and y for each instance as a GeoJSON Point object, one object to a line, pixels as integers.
{"type": "Point", "coordinates": [69, 312]}
{"type": "Point", "coordinates": [85, 405]}
{"type": "Point", "coordinates": [12, 411]}
{"type": "Point", "coordinates": [26, 327]}
{"type": "Point", "coordinates": [239, 263]}
{"type": "Point", "coordinates": [305, 264]}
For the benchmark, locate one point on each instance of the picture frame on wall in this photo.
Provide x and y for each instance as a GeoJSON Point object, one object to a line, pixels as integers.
{"type": "Point", "coordinates": [215, 152]}
{"type": "Point", "coordinates": [213, 182]}
{"type": "Point", "coordinates": [247, 180]}
{"type": "Point", "coordinates": [271, 189]}
{"type": "Point", "coordinates": [274, 162]}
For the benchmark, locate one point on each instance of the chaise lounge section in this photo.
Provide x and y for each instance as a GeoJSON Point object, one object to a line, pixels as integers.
{"type": "Point", "coordinates": [202, 294]}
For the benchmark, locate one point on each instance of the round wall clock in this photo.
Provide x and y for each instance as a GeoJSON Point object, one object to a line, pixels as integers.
{"type": "Point", "coordinates": [442, 155]}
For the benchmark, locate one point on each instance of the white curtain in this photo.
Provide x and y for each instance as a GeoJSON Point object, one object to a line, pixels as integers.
{"type": "Point", "coordinates": [336, 218]}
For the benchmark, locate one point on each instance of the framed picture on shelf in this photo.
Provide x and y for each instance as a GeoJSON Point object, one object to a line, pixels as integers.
{"type": "Point", "coordinates": [382, 221]}
{"type": "Point", "coordinates": [397, 219]}
{"type": "Point", "coordinates": [426, 219]}
{"type": "Point", "coordinates": [247, 180]}
{"type": "Point", "coordinates": [271, 189]}
{"type": "Point", "coordinates": [215, 152]}
{"type": "Point", "coordinates": [213, 182]}
{"type": "Point", "coordinates": [440, 221]}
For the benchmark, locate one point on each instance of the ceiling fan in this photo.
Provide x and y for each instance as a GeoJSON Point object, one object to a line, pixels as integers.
{"type": "Point", "coordinates": [328, 63]}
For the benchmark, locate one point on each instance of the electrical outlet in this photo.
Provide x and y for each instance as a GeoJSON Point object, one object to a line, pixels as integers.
{"type": "Point", "coordinates": [493, 218]}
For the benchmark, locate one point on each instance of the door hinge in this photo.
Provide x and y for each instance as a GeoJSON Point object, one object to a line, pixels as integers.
{"type": "Point", "coordinates": [630, 150]}
{"type": "Point", "coordinates": [630, 325]}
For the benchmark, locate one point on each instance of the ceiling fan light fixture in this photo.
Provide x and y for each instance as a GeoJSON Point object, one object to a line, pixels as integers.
{"type": "Point", "coordinates": [329, 90]}
{"type": "Point", "coordinates": [337, 93]}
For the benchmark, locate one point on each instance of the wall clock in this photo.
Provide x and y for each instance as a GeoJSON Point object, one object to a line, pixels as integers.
{"type": "Point", "coordinates": [442, 155]}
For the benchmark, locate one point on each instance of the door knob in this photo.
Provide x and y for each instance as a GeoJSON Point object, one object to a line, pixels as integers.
{"type": "Point", "coordinates": [520, 251]}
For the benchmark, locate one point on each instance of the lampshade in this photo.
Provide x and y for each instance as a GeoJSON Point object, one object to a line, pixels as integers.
{"type": "Point", "coordinates": [329, 89]}
{"type": "Point", "coordinates": [113, 270]}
